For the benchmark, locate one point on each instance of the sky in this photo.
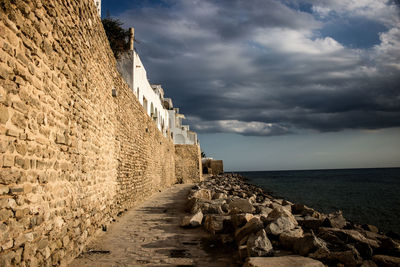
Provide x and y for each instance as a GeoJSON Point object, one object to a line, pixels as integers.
{"type": "Point", "coordinates": [277, 84]}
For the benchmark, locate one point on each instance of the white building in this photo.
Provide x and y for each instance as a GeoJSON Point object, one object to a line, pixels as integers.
{"type": "Point", "coordinates": [98, 6]}
{"type": "Point", "coordinates": [181, 134]}
{"type": "Point", "coordinates": [151, 97]}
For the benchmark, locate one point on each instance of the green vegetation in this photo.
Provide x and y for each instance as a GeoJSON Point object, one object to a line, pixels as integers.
{"type": "Point", "coordinates": [117, 36]}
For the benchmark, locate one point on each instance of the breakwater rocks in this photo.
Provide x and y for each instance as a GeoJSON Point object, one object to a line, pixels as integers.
{"type": "Point", "coordinates": [275, 232]}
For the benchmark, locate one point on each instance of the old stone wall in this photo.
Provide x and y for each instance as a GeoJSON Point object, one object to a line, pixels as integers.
{"type": "Point", "coordinates": [188, 163]}
{"type": "Point", "coordinates": [217, 166]}
{"type": "Point", "coordinates": [211, 166]}
{"type": "Point", "coordinates": [72, 155]}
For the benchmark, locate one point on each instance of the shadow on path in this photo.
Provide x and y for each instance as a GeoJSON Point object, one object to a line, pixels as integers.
{"type": "Point", "coordinates": [149, 235]}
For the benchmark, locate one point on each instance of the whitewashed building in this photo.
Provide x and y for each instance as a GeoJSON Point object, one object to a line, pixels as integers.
{"type": "Point", "coordinates": [151, 96]}
{"type": "Point", "coordinates": [181, 134]}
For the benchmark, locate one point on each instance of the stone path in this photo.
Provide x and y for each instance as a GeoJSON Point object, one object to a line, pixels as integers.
{"type": "Point", "coordinates": [149, 235]}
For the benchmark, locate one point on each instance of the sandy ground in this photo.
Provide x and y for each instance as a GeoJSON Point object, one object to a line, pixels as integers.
{"type": "Point", "coordinates": [149, 235]}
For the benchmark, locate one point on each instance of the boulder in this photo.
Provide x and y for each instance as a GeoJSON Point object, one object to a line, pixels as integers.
{"type": "Point", "coordinates": [347, 257]}
{"type": "Point", "coordinates": [219, 195]}
{"type": "Point", "coordinates": [263, 210]}
{"type": "Point", "coordinates": [202, 193]}
{"type": "Point", "coordinates": [335, 220]}
{"type": "Point", "coordinates": [280, 220]}
{"type": "Point", "coordinates": [284, 261]}
{"type": "Point", "coordinates": [258, 245]}
{"type": "Point", "coordinates": [279, 212]}
{"type": "Point", "coordinates": [310, 223]}
{"type": "Point", "coordinates": [351, 236]}
{"type": "Point", "coordinates": [240, 219]}
{"type": "Point", "coordinates": [280, 225]}
{"type": "Point", "coordinates": [266, 202]}
{"type": "Point", "coordinates": [207, 206]}
{"type": "Point", "coordinates": [192, 220]}
{"type": "Point", "coordinates": [389, 247]}
{"type": "Point", "coordinates": [192, 205]}
{"type": "Point", "coordinates": [384, 260]}
{"type": "Point", "coordinates": [301, 209]}
{"type": "Point", "coordinates": [239, 205]}
{"type": "Point", "coordinates": [252, 226]}
{"type": "Point", "coordinates": [287, 239]}
{"type": "Point", "coordinates": [216, 223]}
{"type": "Point", "coordinates": [308, 244]}
{"type": "Point", "coordinates": [371, 228]}
{"type": "Point", "coordinates": [274, 205]}
{"type": "Point", "coordinates": [298, 208]}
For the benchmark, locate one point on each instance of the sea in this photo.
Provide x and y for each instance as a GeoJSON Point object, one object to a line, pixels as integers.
{"type": "Point", "coordinates": [365, 196]}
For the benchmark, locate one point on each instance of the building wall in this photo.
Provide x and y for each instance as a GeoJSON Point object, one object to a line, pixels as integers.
{"type": "Point", "coordinates": [188, 163]}
{"type": "Point", "coordinates": [154, 102]}
{"type": "Point", "coordinates": [180, 133]}
{"type": "Point", "coordinates": [72, 155]}
{"type": "Point", "coordinates": [211, 166]}
{"type": "Point", "coordinates": [217, 166]}
{"type": "Point", "coordinates": [125, 67]}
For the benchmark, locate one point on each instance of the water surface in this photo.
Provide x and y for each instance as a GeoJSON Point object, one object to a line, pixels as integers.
{"type": "Point", "coordinates": [364, 195]}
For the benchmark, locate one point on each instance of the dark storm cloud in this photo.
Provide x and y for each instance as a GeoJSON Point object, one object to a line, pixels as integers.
{"type": "Point", "coordinates": [269, 68]}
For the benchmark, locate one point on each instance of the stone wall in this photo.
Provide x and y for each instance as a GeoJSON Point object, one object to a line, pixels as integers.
{"type": "Point", "coordinates": [211, 166]}
{"type": "Point", "coordinates": [72, 155]}
{"type": "Point", "coordinates": [188, 163]}
{"type": "Point", "coordinates": [217, 166]}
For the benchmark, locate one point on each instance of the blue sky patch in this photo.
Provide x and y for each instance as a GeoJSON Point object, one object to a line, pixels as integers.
{"type": "Point", "coordinates": [354, 32]}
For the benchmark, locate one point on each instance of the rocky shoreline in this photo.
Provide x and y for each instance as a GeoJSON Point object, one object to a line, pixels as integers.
{"type": "Point", "coordinates": [275, 232]}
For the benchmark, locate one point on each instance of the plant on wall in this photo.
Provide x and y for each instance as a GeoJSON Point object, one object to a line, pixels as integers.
{"type": "Point", "coordinates": [117, 36]}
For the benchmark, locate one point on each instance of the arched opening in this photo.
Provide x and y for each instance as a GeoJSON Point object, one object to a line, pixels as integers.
{"type": "Point", "coordinates": [145, 105]}
{"type": "Point", "coordinates": [151, 109]}
{"type": "Point", "coordinates": [155, 117]}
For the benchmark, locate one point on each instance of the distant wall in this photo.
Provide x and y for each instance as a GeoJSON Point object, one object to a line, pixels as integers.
{"type": "Point", "coordinates": [72, 156]}
{"type": "Point", "coordinates": [211, 166]}
{"type": "Point", "coordinates": [188, 163]}
{"type": "Point", "coordinates": [217, 166]}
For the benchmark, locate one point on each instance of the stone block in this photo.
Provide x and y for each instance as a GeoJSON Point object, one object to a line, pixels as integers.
{"type": "Point", "coordinates": [5, 72]}
{"type": "Point", "coordinates": [60, 139]}
{"type": "Point", "coordinates": [7, 244]}
{"type": "Point", "coordinates": [16, 190]}
{"type": "Point", "coordinates": [8, 160]}
{"type": "Point", "coordinates": [21, 148]}
{"type": "Point", "coordinates": [11, 132]}
{"type": "Point", "coordinates": [5, 214]}
{"type": "Point", "coordinates": [21, 162]}
{"type": "Point", "coordinates": [4, 116]}
{"type": "Point", "coordinates": [9, 176]}
{"type": "Point", "coordinates": [4, 190]}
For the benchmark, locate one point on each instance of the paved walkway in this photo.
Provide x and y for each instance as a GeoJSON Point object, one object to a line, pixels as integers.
{"type": "Point", "coordinates": [149, 235]}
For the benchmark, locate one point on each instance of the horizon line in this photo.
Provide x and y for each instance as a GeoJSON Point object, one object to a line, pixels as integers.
{"type": "Point", "coordinates": [328, 169]}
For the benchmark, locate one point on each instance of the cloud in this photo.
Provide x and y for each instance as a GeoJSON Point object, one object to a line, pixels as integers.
{"type": "Point", "coordinates": [253, 128]}
{"type": "Point", "coordinates": [262, 67]}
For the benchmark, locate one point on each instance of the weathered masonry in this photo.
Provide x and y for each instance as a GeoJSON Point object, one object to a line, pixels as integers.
{"type": "Point", "coordinates": [73, 154]}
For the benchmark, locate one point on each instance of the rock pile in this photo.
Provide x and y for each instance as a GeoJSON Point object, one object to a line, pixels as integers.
{"type": "Point", "coordinates": [274, 232]}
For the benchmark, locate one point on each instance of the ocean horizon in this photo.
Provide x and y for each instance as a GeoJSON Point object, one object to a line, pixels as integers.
{"type": "Point", "coordinates": [365, 196]}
